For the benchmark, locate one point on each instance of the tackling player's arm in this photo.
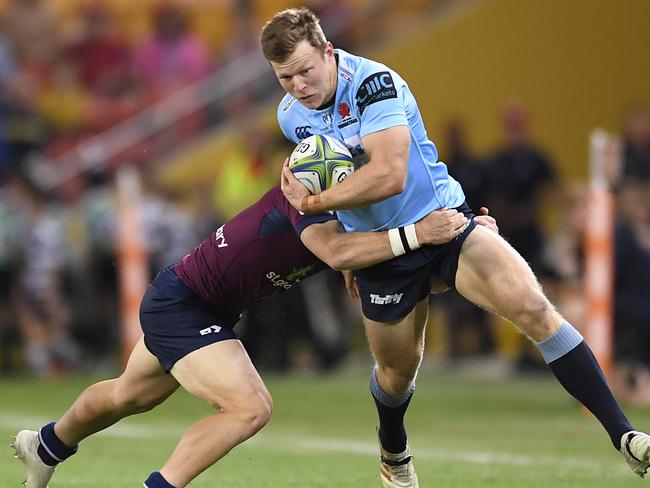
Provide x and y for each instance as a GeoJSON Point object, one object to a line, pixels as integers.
{"type": "Point", "coordinates": [383, 176]}
{"type": "Point", "coordinates": [353, 250]}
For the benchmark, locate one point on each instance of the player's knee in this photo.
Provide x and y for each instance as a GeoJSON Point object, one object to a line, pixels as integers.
{"type": "Point", "coordinates": [396, 381]}
{"type": "Point", "coordinates": [537, 317]}
{"type": "Point", "coordinates": [259, 414]}
{"type": "Point", "coordinates": [253, 407]}
{"type": "Point", "coordinates": [254, 412]}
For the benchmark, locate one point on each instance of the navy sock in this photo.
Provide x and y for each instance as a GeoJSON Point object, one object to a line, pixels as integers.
{"type": "Point", "coordinates": [156, 480]}
{"type": "Point", "coordinates": [581, 376]}
{"type": "Point", "coordinates": [51, 449]}
{"type": "Point", "coordinates": [391, 411]}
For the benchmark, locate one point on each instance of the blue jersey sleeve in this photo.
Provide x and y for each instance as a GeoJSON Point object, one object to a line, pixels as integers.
{"type": "Point", "coordinates": [379, 99]}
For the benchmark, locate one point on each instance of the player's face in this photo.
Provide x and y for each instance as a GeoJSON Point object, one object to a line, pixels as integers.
{"type": "Point", "coordinates": [308, 74]}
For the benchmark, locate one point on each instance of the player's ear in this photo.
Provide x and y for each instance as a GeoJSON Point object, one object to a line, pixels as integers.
{"type": "Point", "coordinates": [329, 50]}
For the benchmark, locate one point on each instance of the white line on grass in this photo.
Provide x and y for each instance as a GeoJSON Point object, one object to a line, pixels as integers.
{"type": "Point", "coordinates": [300, 443]}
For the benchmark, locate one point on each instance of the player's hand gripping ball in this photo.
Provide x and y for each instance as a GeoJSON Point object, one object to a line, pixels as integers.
{"type": "Point", "coordinates": [320, 162]}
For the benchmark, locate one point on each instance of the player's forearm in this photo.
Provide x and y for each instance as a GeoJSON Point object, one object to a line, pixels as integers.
{"type": "Point", "coordinates": [355, 250]}
{"type": "Point", "coordinates": [370, 184]}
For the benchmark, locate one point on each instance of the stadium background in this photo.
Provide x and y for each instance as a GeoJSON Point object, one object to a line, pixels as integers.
{"type": "Point", "coordinates": [510, 91]}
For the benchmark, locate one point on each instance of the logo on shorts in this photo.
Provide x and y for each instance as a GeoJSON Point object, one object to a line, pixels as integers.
{"type": "Point", "coordinates": [385, 299]}
{"type": "Point", "coordinates": [213, 329]}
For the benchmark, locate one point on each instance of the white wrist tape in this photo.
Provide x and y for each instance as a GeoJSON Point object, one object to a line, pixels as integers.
{"type": "Point", "coordinates": [411, 237]}
{"type": "Point", "coordinates": [396, 242]}
{"type": "Point", "coordinates": [403, 239]}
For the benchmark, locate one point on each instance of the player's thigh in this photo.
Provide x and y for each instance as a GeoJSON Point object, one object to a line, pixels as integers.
{"type": "Point", "coordinates": [399, 344]}
{"type": "Point", "coordinates": [223, 375]}
{"type": "Point", "coordinates": [144, 381]}
{"type": "Point", "coordinates": [492, 275]}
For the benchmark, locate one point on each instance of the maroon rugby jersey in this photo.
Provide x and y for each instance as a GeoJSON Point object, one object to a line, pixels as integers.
{"type": "Point", "coordinates": [252, 256]}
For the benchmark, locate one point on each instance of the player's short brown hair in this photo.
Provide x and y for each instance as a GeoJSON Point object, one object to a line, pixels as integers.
{"type": "Point", "coordinates": [286, 29]}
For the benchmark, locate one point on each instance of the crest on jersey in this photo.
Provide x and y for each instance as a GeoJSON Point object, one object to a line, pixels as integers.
{"type": "Point", "coordinates": [375, 88]}
{"type": "Point", "coordinates": [344, 109]}
{"type": "Point", "coordinates": [327, 118]}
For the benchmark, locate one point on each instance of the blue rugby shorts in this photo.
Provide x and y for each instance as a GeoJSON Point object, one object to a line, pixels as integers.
{"type": "Point", "coordinates": [176, 321]}
{"type": "Point", "coordinates": [390, 290]}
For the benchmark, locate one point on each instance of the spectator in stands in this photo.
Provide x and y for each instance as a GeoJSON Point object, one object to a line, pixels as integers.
{"type": "Point", "coordinates": [632, 283]}
{"type": "Point", "coordinates": [101, 56]}
{"type": "Point", "coordinates": [520, 173]}
{"type": "Point", "coordinates": [34, 33]}
{"type": "Point", "coordinates": [9, 335]}
{"type": "Point", "coordinates": [7, 72]}
{"type": "Point", "coordinates": [62, 102]}
{"type": "Point", "coordinates": [172, 56]}
{"type": "Point", "coordinates": [636, 144]}
{"type": "Point", "coordinates": [23, 129]}
{"type": "Point", "coordinates": [43, 315]}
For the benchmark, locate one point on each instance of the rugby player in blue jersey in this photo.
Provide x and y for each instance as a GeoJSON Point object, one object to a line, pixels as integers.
{"type": "Point", "coordinates": [188, 314]}
{"type": "Point", "coordinates": [398, 180]}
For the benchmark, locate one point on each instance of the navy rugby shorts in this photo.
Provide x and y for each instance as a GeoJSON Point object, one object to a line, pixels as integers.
{"type": "Point", "coordinates": [176, 321]}
{"type": "Point", "coordinates": [390, 290]}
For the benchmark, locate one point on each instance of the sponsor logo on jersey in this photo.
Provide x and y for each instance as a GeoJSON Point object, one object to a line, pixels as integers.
{"type": "Point", "coordinates": [386, 299]}
{"type": "Point", "coordinates": [345, 76]}
{"type": "Point", "coordinates": [220, 238]}
{"type": "Point", "coordinates": [346, 122]}
{"type": "Point", "coordinates": [288, 104]}
{"type": "Point", "coordinates": [375, 88]}
{"type": "Point", "coordinates": [291, 279]}
{"type": "Point", "coordinates": [303, 132]}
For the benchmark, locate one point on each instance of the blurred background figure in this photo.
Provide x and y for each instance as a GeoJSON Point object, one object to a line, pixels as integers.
{"type": "Point", "coordinates": [636, 144]}
{"type": "Point", "coordinates": [35, 34]}
{"type": "Point", "coordinates": [521, 177]}
{"type": "Point", "coordinates": [632, 283]}
{"type": "Point", "coordinates": [171, 56]}
{"type": "Point", "coordinates": [43, 314]}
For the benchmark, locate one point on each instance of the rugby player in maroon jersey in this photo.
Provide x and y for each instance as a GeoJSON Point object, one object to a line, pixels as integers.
{"type": "Point", "coordinates": [188, 314]}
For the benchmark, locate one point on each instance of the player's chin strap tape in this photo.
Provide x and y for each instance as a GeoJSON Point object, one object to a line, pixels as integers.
{"type": "Point", "coordinates": [403, 239]}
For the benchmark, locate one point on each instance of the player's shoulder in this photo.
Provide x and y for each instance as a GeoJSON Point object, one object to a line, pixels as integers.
{"type": "Point", "coordinates": [361, 70]}
{"type": "Point", "coordinates": [286, 104]}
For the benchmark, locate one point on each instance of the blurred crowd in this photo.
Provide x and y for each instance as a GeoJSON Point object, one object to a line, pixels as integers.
{"type": "Point", "coordinates": [64, 82]}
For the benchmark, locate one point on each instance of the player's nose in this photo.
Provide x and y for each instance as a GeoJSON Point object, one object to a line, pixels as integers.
{"type": "Point", "coordinates": [299, 84]}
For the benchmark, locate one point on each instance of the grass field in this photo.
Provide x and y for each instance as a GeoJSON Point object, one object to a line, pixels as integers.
{"type": "Point", "coordinates": [465, 433]}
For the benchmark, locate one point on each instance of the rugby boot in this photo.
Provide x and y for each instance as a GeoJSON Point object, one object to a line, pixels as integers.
{"type": "Point", "coordinates": [396, 470]}
{"type": "Point", "coordinates": [635, 447]}
{"type": "Point", "coordinates": [37, 472]}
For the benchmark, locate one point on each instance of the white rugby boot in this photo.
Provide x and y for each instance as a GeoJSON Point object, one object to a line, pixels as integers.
{"type": "Point", "coordinates": [38, 473]}
{"type": "Point", "coordinates": [396, 470]}
{"type": "Point", "coordinates": [635, 447]}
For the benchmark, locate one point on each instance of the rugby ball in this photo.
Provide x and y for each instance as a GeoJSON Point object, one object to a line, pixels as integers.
{"type": "Point", "coordinates": [320, 162]}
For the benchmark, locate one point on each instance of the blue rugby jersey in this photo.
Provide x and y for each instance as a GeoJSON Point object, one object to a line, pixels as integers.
{"type": "Point", "coordinates": [371, 97]}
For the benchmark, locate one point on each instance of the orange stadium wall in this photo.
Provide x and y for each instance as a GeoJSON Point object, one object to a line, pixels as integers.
{"type": "Point", "coordinates": [577, 64]}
